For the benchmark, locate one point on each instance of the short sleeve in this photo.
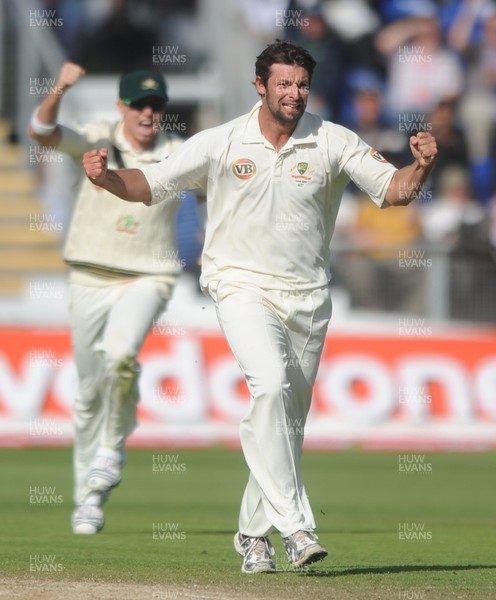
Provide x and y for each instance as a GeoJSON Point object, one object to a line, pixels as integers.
{"type": "Point", "coordinates": [365, 166]}
{"type": "Point", "coordinates": [186, 168]}
{"type": "Point", "coordinates": [72, 142]}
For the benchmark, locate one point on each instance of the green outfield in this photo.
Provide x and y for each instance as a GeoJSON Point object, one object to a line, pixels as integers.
{"type": "Point", "coordinates": [425, 532]}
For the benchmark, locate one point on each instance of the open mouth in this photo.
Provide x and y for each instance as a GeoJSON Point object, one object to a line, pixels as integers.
{"type": "Point", "coordinates": [296, 107]}
{"type": "Point", "coordinates": [146, 126]}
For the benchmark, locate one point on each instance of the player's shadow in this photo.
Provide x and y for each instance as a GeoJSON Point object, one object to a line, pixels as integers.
{"type": "Point", "coordinates": [312, 572]}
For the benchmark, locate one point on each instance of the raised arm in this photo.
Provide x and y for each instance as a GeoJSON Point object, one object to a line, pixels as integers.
{"type": "Point", "coordinates": [43, 126]}
{"type": "Point", "coordinates": [400, 32]}
{"type": "Point", "coordinates": [185, 169]}
{"type": "Point", "coordinates": [128, 184]}
{"type": "Point", "coordinates": [407, 182]}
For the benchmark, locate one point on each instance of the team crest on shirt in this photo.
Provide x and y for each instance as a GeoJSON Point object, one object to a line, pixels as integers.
{"type": "Point", "coordinates": [301, 173]}
{"type": "Point", "coordinates": [377, 155]}
{"type": "Point", "coordinates": [127, 224]}
{"type": "Point", "coordinates": [244, 168]}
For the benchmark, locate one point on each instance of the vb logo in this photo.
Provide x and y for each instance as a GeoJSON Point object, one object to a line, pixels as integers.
{"type": "Point", "coordinates": [244, 168]}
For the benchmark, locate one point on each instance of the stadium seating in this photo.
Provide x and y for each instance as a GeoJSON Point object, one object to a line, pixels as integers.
{"type": "Point", "coordinates": [23, 248]}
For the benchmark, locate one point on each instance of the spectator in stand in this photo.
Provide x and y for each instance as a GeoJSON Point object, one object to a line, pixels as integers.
{"type": "Point", "coordinates": [492, 225]}
{"type": "Point", "coordinates": [328, 49]}
{"type": "Point", "coordinates": [356, 23]}
{"type": "Point", "coordinates": [462, 22]}
{"type": "Point", "coordinates": [452, 143]}
{"type": "Point", "coordinates": [454, 213]}
{"type": "Point", "coordinates": [121, 42]}
{"type": "Point", "coordinates": [458, 222]}
{"type": "Point", "coordinates": [473, 34]}
{"type": "Point", "coordinates": [363, 111]}
{"type": "Point", "coordinates": [421, 72]}
{"type": "Point", "coordinates": [373, 273]}
{"type": "Point", "coordinates": [393, 10]}
{"type": "Point", "coordinates": [340, 34]}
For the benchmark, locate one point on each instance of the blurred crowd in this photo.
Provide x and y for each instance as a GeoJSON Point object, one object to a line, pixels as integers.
{"type": "Point", "coordinates": [398, 67]}
{"type": "Point", "coordinates": [386, 69]}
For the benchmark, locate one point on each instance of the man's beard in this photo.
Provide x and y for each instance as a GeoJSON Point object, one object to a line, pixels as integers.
{"type": "Point", "coordinates": [283, 118]}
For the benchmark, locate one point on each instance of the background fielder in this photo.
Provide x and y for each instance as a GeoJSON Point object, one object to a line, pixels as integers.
{"type": "Point", "coordinates": [274, 180]}
{"type": "Point", "coordinates": [124, 263]}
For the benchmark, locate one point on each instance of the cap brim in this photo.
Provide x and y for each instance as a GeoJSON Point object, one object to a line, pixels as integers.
{"type": "Point", "coordinates": [145, 94]}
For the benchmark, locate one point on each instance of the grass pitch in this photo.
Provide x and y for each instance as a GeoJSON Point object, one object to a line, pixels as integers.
{"type": "Point", "coordinates": [392, 532]}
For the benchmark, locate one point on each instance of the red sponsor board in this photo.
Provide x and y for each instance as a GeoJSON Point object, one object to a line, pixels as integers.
{"type": "Point", "coordinates": [435, 391]}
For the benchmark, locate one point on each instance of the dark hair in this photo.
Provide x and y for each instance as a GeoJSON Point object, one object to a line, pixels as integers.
{"type": "Point", "coordinates": [285, 53]}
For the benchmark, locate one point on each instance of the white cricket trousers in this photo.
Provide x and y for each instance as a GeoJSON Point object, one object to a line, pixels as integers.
{"type": "Point", "coordinates": [277, 338]}
{"type": "Point", "coordinates": [109, 326]}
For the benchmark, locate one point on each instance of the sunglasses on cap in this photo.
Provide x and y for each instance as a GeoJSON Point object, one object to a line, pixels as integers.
{"type": "Point", "coordinates": [154, 102]}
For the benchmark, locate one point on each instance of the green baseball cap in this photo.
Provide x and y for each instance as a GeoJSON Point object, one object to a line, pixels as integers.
{"type": "Point", "coordinates": [142, 84]}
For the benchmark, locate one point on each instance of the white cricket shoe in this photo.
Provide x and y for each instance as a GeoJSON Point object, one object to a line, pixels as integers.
{"type": "Point", "coordinates": [303, 548]}
{"type": "Point", "coordinates": [257, 553]}
{"type": "Point", "coordinates": [105, 471]}
{"type": "Point", "coordinates": [87, 519]}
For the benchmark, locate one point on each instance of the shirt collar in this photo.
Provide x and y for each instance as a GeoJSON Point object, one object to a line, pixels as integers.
{"type": "Point", "coordinates": [302, 135]}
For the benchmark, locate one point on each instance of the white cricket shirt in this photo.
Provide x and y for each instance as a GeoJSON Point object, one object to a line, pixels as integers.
{"type": "Point", "coordinates": [107, 235]}
{"type": "Point", "coordinates": [271, 214]}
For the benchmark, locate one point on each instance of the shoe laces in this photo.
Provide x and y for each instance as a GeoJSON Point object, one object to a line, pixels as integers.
{"type": "Point", "coordinates": [303, 538]}
{"type": "Point", "coordinates": [258, 548]}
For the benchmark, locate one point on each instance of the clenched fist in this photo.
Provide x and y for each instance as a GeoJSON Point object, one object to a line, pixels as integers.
{"type": "Point", "coordinates": [69, 74]}
{"type": "Point", "coordinates": [95, 165]}
{"type": "Point", "coordinates": [424, 148]}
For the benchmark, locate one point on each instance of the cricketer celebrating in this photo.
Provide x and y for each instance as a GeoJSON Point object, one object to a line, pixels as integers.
{"type": "Point", "coordinates": [124, 264]}
{"type": "Point", "coordinates": [274, 180]}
